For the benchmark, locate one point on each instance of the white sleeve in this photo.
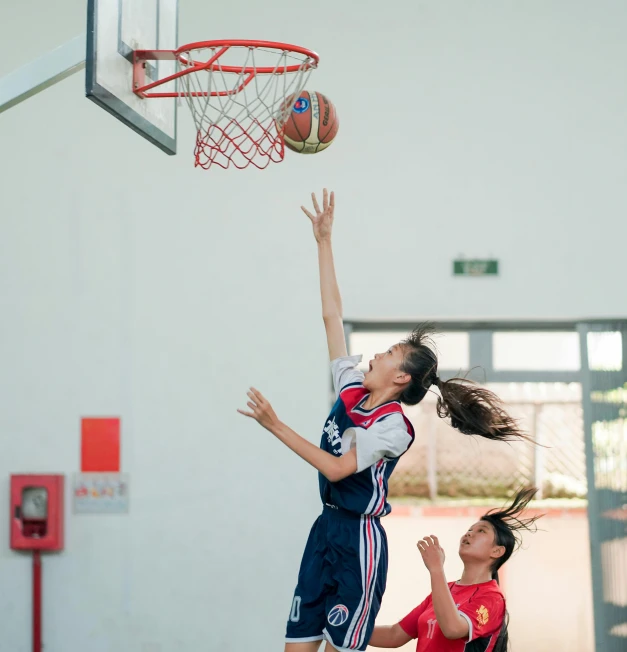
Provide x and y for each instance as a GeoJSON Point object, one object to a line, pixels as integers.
{"type": "Point", "coordinates": [345, 371]}
{"type": "Point", "coordinates": [385, 439]}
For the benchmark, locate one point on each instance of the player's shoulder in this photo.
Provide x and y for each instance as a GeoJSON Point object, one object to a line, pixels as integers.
{"type": "Point", "coordinates": [346, 363]}
{"type": "Point", "coordinates": [391, 416]}
{"type": "Point", "coordinates": [491, 603]}
{"type": "Point", "coordinates": [346, 372]}
{"type": "Point", "coordinates": [387, 409]}
{"type": "Point", "coordinates": [491, 586]}
{"type": "Point", "coordinates": [491, 591]}
{"type": "Point", "coordinates": [484, 590]}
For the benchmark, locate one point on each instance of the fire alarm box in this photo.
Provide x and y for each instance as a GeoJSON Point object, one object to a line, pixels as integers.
{"type": "Point", "coordinates": [37, 512]}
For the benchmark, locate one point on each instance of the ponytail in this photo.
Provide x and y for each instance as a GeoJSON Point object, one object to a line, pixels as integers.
{"type": "Point", "coordinates": [502, 642]}
{"type": "Point", "coordinates": [473, 410]}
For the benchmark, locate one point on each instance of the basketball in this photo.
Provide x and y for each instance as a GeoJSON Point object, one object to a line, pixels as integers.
{"type": "Point", "coordinates": [312, 124]}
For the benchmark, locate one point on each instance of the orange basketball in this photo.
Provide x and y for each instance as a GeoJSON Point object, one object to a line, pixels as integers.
{"type": "Point", "coordinates": [312, 124]}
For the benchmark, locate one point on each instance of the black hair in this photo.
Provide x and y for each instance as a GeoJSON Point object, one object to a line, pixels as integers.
{"type": "Point", "coordinates": [473, 410]}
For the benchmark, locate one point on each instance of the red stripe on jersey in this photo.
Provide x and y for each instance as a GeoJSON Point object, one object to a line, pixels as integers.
{"type": "Point", "coordinates": [352, 395]}
{"type": "Point", "coordinates": [380, 506]}
{"type": "Point", "coordinates": [369, 574]}
{"type": "Point", "coordinates": [410, 428]}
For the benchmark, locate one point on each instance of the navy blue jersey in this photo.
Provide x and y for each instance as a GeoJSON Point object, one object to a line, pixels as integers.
{"type": "Point", "coordinates": [380, 435]}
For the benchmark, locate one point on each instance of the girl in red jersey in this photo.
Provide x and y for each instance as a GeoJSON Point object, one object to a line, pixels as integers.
{"type": "Point", "coordinates": [469, 615]}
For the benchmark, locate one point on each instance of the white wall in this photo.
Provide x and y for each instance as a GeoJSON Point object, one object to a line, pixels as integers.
{"type": "Point", "coordinates": [134, 285]}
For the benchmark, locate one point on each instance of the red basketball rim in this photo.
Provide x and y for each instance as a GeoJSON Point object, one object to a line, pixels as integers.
{"type": "Point", "coordinates": [242, 131]}
{"type": "Point", "coordinates": [223, 46]}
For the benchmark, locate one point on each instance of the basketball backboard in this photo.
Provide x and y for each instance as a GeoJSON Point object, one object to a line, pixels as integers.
{"type": "Point", "coordinates": [239, 91]}
{"type": "Point", "coordinates": [115, 28]}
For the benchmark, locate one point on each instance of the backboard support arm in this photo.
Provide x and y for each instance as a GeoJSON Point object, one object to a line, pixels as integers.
{"type": "Point", "coordinates": [43, 72]}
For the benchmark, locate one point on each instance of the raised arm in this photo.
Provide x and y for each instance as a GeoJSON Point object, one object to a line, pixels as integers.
{"type": "Point", "coordinates": [452, 623]}
{"type": "Point", "coordinates": [322, 222]}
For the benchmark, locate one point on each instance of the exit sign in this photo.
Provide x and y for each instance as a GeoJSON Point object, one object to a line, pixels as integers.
{"type": "Point", "coordinates": [476, 267]}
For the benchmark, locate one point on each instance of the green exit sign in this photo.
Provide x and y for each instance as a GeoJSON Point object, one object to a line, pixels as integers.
{"type": "Point", "coordinates": [476, 267]}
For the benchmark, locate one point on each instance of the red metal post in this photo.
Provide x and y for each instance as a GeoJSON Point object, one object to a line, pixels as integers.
{"type": "Point", "coordinates": [36, 601]}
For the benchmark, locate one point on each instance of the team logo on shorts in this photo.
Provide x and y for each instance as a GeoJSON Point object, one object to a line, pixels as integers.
{"type": "Point", "coordinates": [302, 104]}
{"type": "Point", "coordinates": [338, 615]}
{"type": "Point", "coordinates": [482, 615]}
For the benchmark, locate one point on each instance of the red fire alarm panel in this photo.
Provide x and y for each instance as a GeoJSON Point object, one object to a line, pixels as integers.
{"type": "Point", "coordinates": [37, 512]}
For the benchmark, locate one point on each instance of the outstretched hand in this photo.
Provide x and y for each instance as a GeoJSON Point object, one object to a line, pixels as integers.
{"type": "Point", "coordinates": [261, 410]}
{"type": "Point", "coordinates": [322, 221]}
{"type": "Point", "coordinates": [432, 553]}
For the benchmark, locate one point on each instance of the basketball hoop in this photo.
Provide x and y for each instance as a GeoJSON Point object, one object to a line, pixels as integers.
{"type": "Point", "coordinates": [240, 94]}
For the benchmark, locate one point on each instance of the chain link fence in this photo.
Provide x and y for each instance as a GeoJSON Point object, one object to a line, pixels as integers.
{"type": "Point", "coordinates": [443, 462]}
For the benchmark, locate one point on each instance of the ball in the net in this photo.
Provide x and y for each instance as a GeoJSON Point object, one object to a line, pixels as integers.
{"type": "Point", "coordinates": [312, 124]}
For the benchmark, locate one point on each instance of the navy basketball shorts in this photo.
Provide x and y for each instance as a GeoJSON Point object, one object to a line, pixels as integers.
{"type": "Point", "coordinates": [341, 581]}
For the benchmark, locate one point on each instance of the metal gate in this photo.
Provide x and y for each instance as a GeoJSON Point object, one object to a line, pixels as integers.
{"type": "Point", "coordinates": [604, 383]}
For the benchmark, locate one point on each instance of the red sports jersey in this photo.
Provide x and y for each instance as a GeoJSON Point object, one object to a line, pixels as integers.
{"type": "Point", "coordinates": [482, 605]}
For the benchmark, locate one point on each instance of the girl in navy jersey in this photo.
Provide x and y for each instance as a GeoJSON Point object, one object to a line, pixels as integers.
{"type": "Point", "coordinates": [469, 615]}
{"type": "Point", "coordinates": [344, 567]}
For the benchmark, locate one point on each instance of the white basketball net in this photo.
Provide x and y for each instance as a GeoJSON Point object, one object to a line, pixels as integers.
{"type": "Point", "coordinates": [239, 116]}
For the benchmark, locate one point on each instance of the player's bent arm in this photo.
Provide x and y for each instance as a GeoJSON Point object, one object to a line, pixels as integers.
{"type": "Point", "coordinates": [452, 624]}
{"type": "Point", "coordinates": [331, 301]}
{"type": "Point", "coordinates": [389, 636]}
{"type": "Point", "coordinates": [332, 467]}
